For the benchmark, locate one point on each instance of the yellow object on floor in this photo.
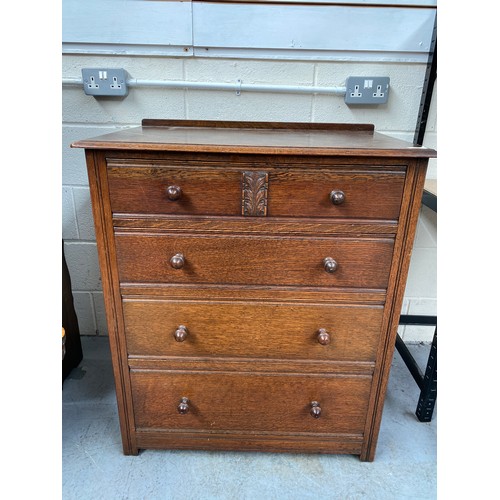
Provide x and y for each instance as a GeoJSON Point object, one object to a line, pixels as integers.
{"type": "Point", "coordinates": [63, 343]}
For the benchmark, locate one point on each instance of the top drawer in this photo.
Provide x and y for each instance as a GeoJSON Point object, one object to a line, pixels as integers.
{"type": "Point", "coordinates": [160, 189]}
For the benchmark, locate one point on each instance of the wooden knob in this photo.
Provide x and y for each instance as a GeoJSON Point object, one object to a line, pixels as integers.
{"type": "Point", "coordinates": [181, 333]}
{"type": "Point", "coordinates": [323, 337]}
{"type": "Point", "coordinates": [177, 261]}
{"type": "Point", "coordinates": [337, 197]}
{"type": "Point", "coordinates": [330, 265]}
{"type": "Point", "coordinates": [183, 406]}
{"type": "Point", "coordinates": [315, 409]}
{"type": "Point", "coordinates": [174, 193]}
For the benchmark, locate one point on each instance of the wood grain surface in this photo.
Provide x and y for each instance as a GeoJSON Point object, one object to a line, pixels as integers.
{"type": "Point", "coordinates": [245, 138]}
{"type": "Point", "coordinates": [262, 260]}
{"type": "Point", "coordinates": [289, 192]}
{"type": "Point", "coordinates": [259, 329]}
{"type": "Point", "coordinates": [257, 402]}
{"type": "Point", "coordinates": [290, 442]}
{"type": "Point", "coordinates": [243, 225]}
{"type": "Point", "coordinates": [212, 240]}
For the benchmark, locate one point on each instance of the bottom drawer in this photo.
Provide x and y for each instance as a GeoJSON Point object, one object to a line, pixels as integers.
{"type": "Point", "coordinates": [266, 402]}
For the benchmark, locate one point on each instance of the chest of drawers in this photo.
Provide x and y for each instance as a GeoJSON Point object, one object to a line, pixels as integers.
{"type": "Point", "coordinates": [253, 276]}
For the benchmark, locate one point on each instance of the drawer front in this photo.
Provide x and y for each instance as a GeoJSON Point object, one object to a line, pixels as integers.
{"type": "Point", "coordinates": [239, 329]}
{"type": "Point", "coordinates": [254, 260]}
{"type": "Point", "coordinates": [362, 195]}
{"type": "Point", "coordinates": [283, 192]}
{"type": "Point", "coordinates": [257, 402]}
{"type": "Point", "coordinates": [144, 190]}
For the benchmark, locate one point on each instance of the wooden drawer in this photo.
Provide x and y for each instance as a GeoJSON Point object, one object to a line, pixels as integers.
{"type": "Point", "coordinates": [143, 190]}
{"type": "Point", "coordinates": [368, 195]}
{"type": "Point", "coordinates": [233, 401]}
{"type": "Point", "coordinates": [259, 329]}
{"type": "Point", "coordinates": [263, 260]}
{"type": "Point", "coordinates": [289, 193]}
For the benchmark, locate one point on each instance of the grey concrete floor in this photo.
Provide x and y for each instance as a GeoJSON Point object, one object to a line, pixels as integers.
{"type": "Point", "coordinates": [93, 466]}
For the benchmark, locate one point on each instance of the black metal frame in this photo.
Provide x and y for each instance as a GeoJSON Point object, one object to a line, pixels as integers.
{"type": "Point", "coordinates": [429, 200]}
{"type": "Point", "coordinates": [427, 89]}
{"type": "Point", "coordinates": [427, 382]}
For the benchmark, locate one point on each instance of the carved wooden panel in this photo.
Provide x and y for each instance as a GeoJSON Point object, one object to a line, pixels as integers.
{"type": "Point", "coordinates": [254, 193]}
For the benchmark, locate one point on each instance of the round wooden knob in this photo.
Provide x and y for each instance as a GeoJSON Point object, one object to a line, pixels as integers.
{"type": "Point", "coordinates": [181, 333]}
{"type": "Point", "coordinates": [183, 406]}
{"type": "Point", "coordinates": [337, 197]}
{"type": "Point", "coordinates": [174, 193]}
{"type": "Point", "coordinates": [177, 261]}
{"type": "Point", "coordinates": [330, 265]}
{"type": "Point", "coordinates": [315, 409]}
{"type": "Point", "coordinates": [323, 337]}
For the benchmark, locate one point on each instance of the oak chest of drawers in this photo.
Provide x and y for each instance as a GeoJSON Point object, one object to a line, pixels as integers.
{"type": "Point", "coordinates": [253, 276]}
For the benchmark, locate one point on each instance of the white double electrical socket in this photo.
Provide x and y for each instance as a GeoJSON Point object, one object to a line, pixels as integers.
{"type": "Point", "coordinates": [367, 90]}
{"type": "Point", "coordinates": [104, 82]}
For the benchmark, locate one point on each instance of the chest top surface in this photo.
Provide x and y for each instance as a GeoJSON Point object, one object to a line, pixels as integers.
{"type": "Point", "coordinates": [333, 139]}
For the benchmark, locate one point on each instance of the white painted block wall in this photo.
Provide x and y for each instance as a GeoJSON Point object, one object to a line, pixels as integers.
{"type": "Point", "coordinates": [85, 116]}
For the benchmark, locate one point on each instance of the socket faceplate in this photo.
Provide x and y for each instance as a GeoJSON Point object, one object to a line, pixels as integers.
{"type": "Point", "coordinates": [367, 90]}
{"type": "Point", "coordinates": [104, 81]}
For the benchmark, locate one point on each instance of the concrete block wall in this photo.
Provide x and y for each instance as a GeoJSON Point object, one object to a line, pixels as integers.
{"type": "Point", "coordinates": [85, 116]}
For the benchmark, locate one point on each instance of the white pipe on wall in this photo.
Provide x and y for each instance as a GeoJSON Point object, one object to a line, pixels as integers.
{"type": "Point", "coordinates": [237, 87]}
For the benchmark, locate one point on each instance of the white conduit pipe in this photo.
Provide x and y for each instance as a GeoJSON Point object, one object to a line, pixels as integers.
{"type": "Point", "coordinates": [235, 87]}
